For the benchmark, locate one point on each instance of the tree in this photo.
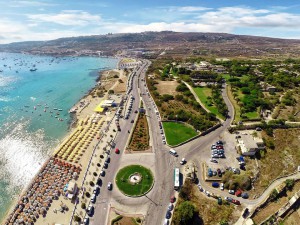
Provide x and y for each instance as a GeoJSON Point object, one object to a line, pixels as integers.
{"type": "Point", "coordinates": [77, 219]}
{"type": "Point", "coordinates": [289, 183]}
{"type": "Point", "coordinates": [223, 222]}
{"type": "Point", "coordinates": [274, 194]}
{"type": "Point", "coordinates": [186, 212]}
{"type": "Point", "coordinates": [111, 92]}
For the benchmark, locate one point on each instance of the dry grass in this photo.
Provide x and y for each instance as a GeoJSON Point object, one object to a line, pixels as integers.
{"type": "Point", "coordinates": [286, 157]}
{"type": "Point", "coordinates": [167, 87]}
{"type": "Point", "coordinates": [274, 206]}
{"type": "Point", "coordinates": [126, 221]}
{"type": "Point", "coordinates": [209, 210]}
{"type": "Point", "coordinates": [287, 112]}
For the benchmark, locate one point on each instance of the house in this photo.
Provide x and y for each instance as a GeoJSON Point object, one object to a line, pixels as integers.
{"type": "Point", "coordinates": [267, 87]}
{"type": "Point", "coordinates": [250, 145]}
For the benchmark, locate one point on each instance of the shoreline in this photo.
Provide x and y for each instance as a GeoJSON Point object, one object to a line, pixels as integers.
{"type": "Point", "coordinates": [71, 127]}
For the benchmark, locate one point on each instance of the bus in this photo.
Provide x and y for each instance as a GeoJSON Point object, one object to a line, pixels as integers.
{"type": "Point", "coordinates": [176, 179]}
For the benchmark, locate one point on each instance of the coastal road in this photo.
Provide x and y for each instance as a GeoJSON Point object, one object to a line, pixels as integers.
{"type": "Point", "coordinates": [103, 201]}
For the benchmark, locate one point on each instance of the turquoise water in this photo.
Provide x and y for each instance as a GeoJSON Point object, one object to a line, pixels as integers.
{"type": "Point", "coordinates": [28, 130]}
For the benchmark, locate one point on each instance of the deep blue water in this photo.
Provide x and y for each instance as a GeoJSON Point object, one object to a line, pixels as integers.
{"type": "Point", "coordinates": [27, 133]}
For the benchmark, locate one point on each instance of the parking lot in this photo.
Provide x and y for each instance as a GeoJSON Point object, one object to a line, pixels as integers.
{"type": "Point", "coordinates": [219, 157]}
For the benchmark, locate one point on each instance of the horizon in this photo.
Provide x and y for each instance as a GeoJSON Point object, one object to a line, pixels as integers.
{"type": "Point", "coordinates": [25, 20]}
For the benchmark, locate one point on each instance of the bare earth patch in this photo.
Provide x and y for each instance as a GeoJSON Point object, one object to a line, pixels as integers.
{"type": "Point", "coordinates": [167, 87]}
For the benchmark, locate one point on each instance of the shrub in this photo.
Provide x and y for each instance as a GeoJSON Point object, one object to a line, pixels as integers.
{"type": "Point", "coordinates": [92, 183]}
{"type": "Point", "coordinates": [87, 194]}
{"type": "Point", "coordinates": [83, 205]}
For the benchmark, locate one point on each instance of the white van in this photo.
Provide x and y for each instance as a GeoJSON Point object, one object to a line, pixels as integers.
{"type": "Point", "coordinates": [173, 152]}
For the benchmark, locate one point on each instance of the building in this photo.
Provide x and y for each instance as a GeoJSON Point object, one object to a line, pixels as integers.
{"type": "Point", "coordinates": [267, 87]}
{"type": "Point", "coordinates": [249, 145]}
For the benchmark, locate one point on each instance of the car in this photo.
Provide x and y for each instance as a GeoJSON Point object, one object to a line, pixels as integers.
{"type": "Point", "coordinates": [236, 202]}
{"type": "Point", "coordinates": [200, 187]}
{"type": "Point", "coordinates": [161, 131]}
{"type": "Point", "coordinates": [105, 166]}
{"type": "Point", "coordinates": [132, 121]}
{"type": "Point", "coordinates": [107, 160]}
{"type": "Point", "coordinates": [245, 213]}
{"type": "Point", "coordinates": [231, 192]}
{"type": "Point", "coordinates": [238, 193]}
{"type": "Point", "coordinates": [166, 222]}
{"type": "Point", "coordinates": [220, 147]}
{"type": "Point", "coordinates": [102, 173]}
{"type": "Point", "coordinates": [93, 198]}
{"type": "Point", "coordinates": [219, 172]}
{"type": "Point", "coordinates": [96, 190]}
{"type": "Point", "coordinates": [86, 220]}
{"type": "Point", "coordinates": [245, 195]}
{"type": "Point", "coordinates": [99, 182]}
{"type": "Point", "coordinates": [135, 111]}
{"type": "Point", "coordinates": [222, 186]}
{"type": "Point", "coordinates": [214, 173]}
{"type": "Point", "coordinates": [219, 142]}
{"type": "Point", "coordinates": [164, 142]}
{"type": "Point", "coordinates": [170, 207]}
{"type": "Point", "coordinates": [215, 156]}
{"type": "Point", "coordinates": [219, 201]}
{"type": "Point", "coordinates": [221, 156]}
{"type": "Point", "coordinates": [117, 151]}
{"type": "Point", "coordinates": [172, 199]}
{"type": "Point", "coordinates": [213, 160]}
{"type": "Point", "coordinates": [228, 199]}
{"type": "Point", "coordinates": [109, 186]}
{"type": "Point", "coordinates": [183, 161]}
{"type": "Point", "coordinates": [168, 215]}
{"type": "Point", "coordinates": [207, 193]}
{"type": "Point", "coordinates": [90, 210]}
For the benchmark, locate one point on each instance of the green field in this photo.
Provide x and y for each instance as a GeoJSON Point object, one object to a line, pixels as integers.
{"type": "Point", "coordinates": [138, 189]}
{"type": "Point", "coordinates": [177, 133]}
{"type": "Point", "coordinates": [203, 93]}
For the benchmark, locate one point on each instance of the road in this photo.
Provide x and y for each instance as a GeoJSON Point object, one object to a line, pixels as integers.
{"type": "Point", "coordinates": [164, 163]}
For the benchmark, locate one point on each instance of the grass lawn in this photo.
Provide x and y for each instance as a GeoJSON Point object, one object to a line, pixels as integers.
{"type": "Point", "coordinates": [203, 93]}
{"type": "Point", "coordinates": [122, 180]}
{"type": "Point", "coordinates": [178, 132]}
{"type": "Point", "coordinates": [252, 115]}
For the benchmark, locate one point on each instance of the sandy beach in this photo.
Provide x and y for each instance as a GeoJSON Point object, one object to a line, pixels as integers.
{"type": "Point", "coordinates": [48, 199]}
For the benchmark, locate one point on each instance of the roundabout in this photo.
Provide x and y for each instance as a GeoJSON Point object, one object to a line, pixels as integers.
{"type": "Point", "coordinates": [134, 180]}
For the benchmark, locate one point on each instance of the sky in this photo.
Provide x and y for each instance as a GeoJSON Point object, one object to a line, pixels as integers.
{"type": "Point", "coordinates": [32, 20]}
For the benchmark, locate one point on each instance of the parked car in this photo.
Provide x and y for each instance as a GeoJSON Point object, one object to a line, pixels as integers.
{"type": "Point", "coordinates": [236, 202]}
{"type": "Point", "coordinates": [99, 181]}
{"type": "Point", "coordinates": [117, 151]}
{"type": "Point", "coordinates": [219, 142]}
{"type": "Point", "coordinates": [222, 186]}
{"type": "Point", "coordinates": [90, 210]}
{"type": "Point", "coordinates": [214, 173]}
{"type": "Point", "coordinates": [102, 173]}
{"type": "Point", "coordinates": [200, 187]}
{"type": "Point", "coordinates": [244, 195]}
{"type": "Point", "coordinates": [238, 193]}
{"type": "Point", "coordinates": [213, 160]}
{"type": "Point", "coordinates": [231, 192]}
{"type": "Point", "coordinates": [109, 186]}
{"type": "Point", "coordinates": [170, 207]}
{"type": "Point", "coordinates": [228, 199]}
{"type": "Point", "coordinates": [86, 220]}
{"type": "Point", "coordinates": [219, 201]}
{"type": "Point", "coordinates": [245, 213]}
{"type": "Point", "coordinates": [166, 222]}
{"type": "Point", "coordinates": [183, 161]}
{"type": "Point", "coordinates": [215, 184]}
{"type": "Point", "coordinates": [168, 215]}
{"type": "Point", "coordinates": [219, 172]}
{"type": "Point", "coordinates": [96, 190]}
{"type": "Point", "coordinates": [107, 160]}
{"type": "Point", "coordinates": [172, 199]}
{"type": "Point", "coordinates": [132, 121]}
{"type": "Point", "coordinates": [93, 198]}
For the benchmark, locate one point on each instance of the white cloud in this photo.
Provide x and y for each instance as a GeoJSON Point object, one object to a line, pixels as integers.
{"type": "Point", "coordinates": [192, 9]}
{"type": "Point", "coordinates": [67, 18]}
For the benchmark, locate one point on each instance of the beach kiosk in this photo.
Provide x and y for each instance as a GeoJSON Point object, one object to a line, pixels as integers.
{"type": "Point", "coordinates": [72, 190]}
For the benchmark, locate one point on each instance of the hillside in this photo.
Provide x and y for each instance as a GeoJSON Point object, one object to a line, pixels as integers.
{"type": "Point", "coordinates": [152, 44]}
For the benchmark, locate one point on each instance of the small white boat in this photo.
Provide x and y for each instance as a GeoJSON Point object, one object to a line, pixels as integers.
{"type": "Point", "coordinates": [59, 109]}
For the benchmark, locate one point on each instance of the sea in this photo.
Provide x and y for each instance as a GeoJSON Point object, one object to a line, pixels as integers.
{"type": "Point", "coordinates": [32, 89]}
